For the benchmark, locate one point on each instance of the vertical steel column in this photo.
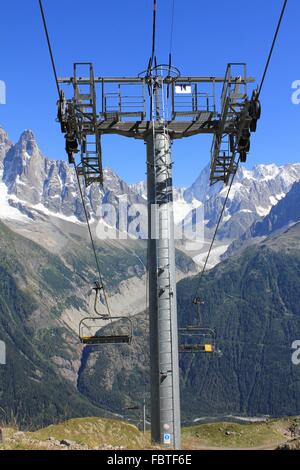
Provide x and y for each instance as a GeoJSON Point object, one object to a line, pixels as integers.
{"type": "Point", "coordinates": [165, 400]}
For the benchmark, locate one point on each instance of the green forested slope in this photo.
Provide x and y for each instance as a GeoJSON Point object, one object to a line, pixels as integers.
{"type": "Point", "coordinates": [38, 385]}
{"type": "Point", "coordinates": [252, 301]}
{"type": "Point", "coordinates": [32, 392]}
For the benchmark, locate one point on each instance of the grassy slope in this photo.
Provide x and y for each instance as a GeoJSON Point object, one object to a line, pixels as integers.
{"type": "Point", "coordinates": [98, 432]}
{"type": "Point", "coordinates": [235, 436]}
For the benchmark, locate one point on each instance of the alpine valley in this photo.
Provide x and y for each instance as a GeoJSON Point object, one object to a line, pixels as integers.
{"type": "Point", "coordinates": [251, 291]}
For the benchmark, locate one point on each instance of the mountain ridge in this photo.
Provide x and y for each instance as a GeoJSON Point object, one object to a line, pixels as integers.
{"type": "Point", "coordinates": [34, 182]}
{"type": "Point", "coordinates": [281, 216]}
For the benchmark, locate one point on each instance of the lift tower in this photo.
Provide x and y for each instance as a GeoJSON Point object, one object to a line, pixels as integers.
{"type": "Point", "coordinates": [158, 107]}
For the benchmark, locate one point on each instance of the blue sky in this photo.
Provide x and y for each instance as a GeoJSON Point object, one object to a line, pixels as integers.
{"type": "Point", "coordinates": [116, 36]}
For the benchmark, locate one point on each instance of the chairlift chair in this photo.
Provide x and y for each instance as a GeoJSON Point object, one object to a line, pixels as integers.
{"type": "Point", "coordinates": [92, 332]}
{"type": "Point", "coordinates": [196, 338]}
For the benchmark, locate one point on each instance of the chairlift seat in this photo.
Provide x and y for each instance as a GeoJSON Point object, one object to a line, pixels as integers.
{"type": "Point", "coordinates": [95, 337]}
{"type": "Point", "coordinates": [106, 339]}
{"type": "Point", "coordinates": [193, 348]}
{"type": "Point", "coordinates": [202, 340]}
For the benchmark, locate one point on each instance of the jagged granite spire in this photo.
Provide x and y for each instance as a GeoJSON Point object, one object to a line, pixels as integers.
{"type": "Point", "coordinates": [5, 145]}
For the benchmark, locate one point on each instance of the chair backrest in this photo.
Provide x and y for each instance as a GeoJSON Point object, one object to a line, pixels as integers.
{"type": "Point", "coordinates": [92, 331]}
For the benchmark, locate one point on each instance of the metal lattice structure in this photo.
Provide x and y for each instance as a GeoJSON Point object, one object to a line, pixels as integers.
{"type": "Point", "coordinates": [121, 108]}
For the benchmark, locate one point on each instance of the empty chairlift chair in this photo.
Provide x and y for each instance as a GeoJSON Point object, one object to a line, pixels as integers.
{"type": "Point", "coordinates": [93, 330]}
{"type": "Point", "coordinates": [196, 338]}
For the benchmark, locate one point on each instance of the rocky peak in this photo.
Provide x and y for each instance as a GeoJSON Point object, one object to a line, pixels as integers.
{"type": "Point", "coordinates": [253, 194]}
{"type": "Point", "coordinates": [51, 185]}
{"type": "Point", "coordinates": [28, 143]}
{"type": "Point", "coordinates": [24, 168]}
{"type": "Point", "coordinates": [5, 145]}
{"type": "Point", "coordinates": [201, 189]}
{"type": "Point", "coordinates": [140, 188]}
{"type": "Point", "coordinates": [3, 136]}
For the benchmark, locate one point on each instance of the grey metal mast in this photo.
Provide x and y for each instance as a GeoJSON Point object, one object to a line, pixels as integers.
{"type": "Point", "coordinates": [125, 113]}
{"type": "Point", "coordinates": [164, 367]}
{"type": "Point", "coordinates": [165, 418]}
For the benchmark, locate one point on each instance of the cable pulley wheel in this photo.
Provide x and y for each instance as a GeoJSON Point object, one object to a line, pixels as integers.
{"type": "Point", "coordinates": [255, 109]}
{"type": "Point", "coordinates": [253, 125]}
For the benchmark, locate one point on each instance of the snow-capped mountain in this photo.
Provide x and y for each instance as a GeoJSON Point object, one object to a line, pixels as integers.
{"type": "Point", "coordinates": [252, 196]}
{"type": "Point", "coordinates": [140, 188]}
{"type": "Point", "coordinates": [281, 216]}
{"type": "Point", "coordinates": [182, 204]}
{"type": "Point", "coordinates": [31, 184]}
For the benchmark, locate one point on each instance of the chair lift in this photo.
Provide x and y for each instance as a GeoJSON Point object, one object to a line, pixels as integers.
{"type": "Point", "coordinates": [91, 331]}
{"type": "Point", "coordinates": [196, 338]}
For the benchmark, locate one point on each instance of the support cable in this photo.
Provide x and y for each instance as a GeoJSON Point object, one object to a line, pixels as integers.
{"type": "Point", "coordinates": [232, 180]}
{"type": "Point", "coordinates": [215, 232]}
{"type": "Point", "coordinates": [93, 243]}
{"type": "Point", "coordinates": [172, 27]}
{"type": "Point", "coordinates": [78, 180]}
{"type": "Point", "coordinates": [153, 31]}
{"type": "Point", "coordinates": [49, 46]}
{"type": "Point", "coordinates": [272, 48]}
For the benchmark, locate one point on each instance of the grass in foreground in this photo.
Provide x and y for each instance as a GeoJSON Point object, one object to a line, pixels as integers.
{"type": "Point", "coordinates": [100, 433]}
{"type": "Point", "coordinates": [237, 436]}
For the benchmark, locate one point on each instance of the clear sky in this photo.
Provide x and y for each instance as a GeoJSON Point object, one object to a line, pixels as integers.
{"type": "Point", "coordinates": [116, 36]}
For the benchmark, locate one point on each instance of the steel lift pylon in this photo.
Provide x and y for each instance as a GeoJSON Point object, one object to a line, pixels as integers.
{"type": "Point", "coordinates": [159, 107]}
